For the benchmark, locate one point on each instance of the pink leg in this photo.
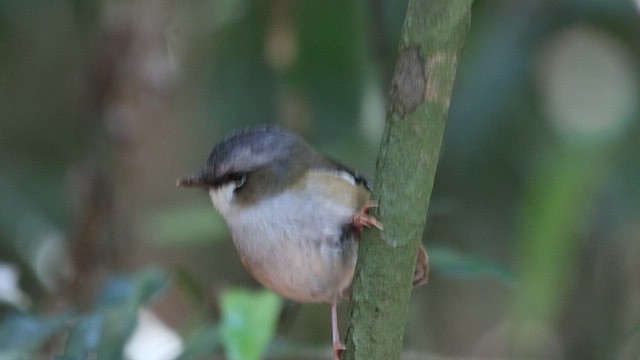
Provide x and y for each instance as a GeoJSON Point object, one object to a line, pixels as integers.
{"type": "Point", "coordinates": [362, 218]}
{"type": "Point", "coordinates": [338, 346]}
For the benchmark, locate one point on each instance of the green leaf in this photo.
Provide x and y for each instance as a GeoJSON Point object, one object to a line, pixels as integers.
{"type": "Point", "coordinates": [83, 338]}
{"type": "Point", "coordinates": [249, 322]}
{"type": "Point", "coordinates": [201, 343]}
{"type": "Point", "coordinates": [22, 335]}
{"type": "Point", "coordinates": [189, 285]}
{"type": "Point", "coordinates": [452, 263]}
{"type": "Point", "coordinates": [132, 291]}
{"type": "Point", "coordinates": [106, 330]}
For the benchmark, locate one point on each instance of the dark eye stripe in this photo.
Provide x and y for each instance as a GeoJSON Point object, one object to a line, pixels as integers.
{"type": "Point", "coordinates": [231, 177]}
{"type": "Point", "coordinates": [234, 177]}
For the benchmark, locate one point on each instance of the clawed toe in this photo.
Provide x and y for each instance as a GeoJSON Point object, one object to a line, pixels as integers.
{"type": "Point", "coordinates": [362, 217]}
{"type": "Point", "coordinates": [337, 350]}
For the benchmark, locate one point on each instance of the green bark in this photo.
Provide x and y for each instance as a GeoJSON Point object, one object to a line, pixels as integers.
{"type": "Point", "coordinates": [418, 101]}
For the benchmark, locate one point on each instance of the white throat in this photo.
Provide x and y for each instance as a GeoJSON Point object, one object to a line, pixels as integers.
{"type": "Point", "coordinates": [222, 198]}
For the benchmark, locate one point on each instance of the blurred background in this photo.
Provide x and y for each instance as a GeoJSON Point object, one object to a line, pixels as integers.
{"type": "Point", "coordinates": [533, 230]}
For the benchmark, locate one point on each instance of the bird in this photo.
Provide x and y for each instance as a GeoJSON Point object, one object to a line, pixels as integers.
{"type": "Point", "coordinates": [295, 215]}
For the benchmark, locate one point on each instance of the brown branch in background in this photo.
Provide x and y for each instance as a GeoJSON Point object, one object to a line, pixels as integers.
{"type": "Point", "coordinates": [87, 243]}
{"type": "Point", "coordinates": [134, 105]}
{"type": "Point", "coordinates": [132, 84]}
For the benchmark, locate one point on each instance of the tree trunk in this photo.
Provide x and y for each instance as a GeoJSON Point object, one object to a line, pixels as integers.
{"type": "Point", "coordinates": [417, 105]}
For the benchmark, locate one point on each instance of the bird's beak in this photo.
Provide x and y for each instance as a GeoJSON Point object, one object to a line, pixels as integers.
{"type": "Point", "coordinates": [191, 181]}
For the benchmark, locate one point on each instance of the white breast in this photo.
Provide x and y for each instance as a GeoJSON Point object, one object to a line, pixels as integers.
{"type": "Point", "coordinates": [291, 242]}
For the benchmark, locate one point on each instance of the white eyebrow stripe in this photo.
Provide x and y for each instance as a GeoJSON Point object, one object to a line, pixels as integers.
{"type": "Point", "coordinates": [346, 176]}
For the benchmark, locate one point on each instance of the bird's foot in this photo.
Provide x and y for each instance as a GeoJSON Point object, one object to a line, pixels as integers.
{"type": "Point", "coordinates": [362, 217]}
{"type": "Point", "coordinates": [338, 349]}
{"type": "Point", "coordinates": [338, 346]}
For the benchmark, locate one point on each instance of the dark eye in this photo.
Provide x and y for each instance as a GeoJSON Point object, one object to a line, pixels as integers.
{"type": "Point", "coordinates": [238, 178]}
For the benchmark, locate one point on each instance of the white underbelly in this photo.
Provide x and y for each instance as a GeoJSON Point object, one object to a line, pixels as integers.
{"type": "Point", "coordinates": [293, 246]}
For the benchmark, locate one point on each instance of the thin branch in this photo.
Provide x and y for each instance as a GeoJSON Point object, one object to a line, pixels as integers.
{"type": "Point", "coordinates": [418, 102]}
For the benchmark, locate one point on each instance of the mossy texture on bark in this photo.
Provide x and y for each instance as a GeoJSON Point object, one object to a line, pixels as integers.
{"type": "Point", "coordinates": [418, 101]}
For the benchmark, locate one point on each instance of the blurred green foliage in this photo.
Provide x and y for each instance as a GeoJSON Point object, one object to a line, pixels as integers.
{"type": "Point", "coordinates": [105, 332]}
{"type": "Point", "coordinates": [456, 265]}
{"type": "Point", "coordinates": [535, 211]}
{"type": "Point", "coordinates": [102, 333]}
{"type": "Point", "coordinates": [247, 326]}
{"type": "Point", "coordinates": [22, 336]}
{"type": "Point", "coordinates": [178, 226]}
{"type": "Point", "coordinates": [248, 322]}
